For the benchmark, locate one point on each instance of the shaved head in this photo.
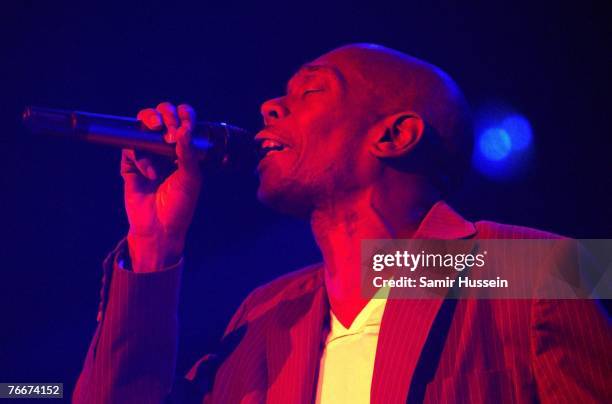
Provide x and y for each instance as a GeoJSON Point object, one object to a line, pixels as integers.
{"type": "Point", "coordinates": [388, 81]}
{"type": "Point", "coordinates": [357, 117]}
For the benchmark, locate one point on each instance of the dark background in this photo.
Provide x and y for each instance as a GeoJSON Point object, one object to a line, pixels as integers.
{"type": "Point", "coordinates": [61, 203]}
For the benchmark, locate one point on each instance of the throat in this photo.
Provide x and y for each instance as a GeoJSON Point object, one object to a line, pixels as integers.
{"type": "Point", "coordinates": [347, 310]}
{"type": "Point", "coordinates": [339, 230]}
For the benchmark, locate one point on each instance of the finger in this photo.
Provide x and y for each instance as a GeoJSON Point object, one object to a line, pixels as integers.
{"type": "Point", "coordinates": [170, 118]}
{"type": "Point", "coordinates": [187, 116]}
{"type": "Point", "coordinates": [135, 167]}
{"type": "Point", "coordinates": [188, 172]}
{"type": "Point", "coordinates": [185, 150]}
{"type": "Point", "coordinates": [150, 118]}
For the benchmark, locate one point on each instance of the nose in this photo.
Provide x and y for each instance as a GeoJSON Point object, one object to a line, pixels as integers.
{"type": "Point", "coordinates": [273, 110]}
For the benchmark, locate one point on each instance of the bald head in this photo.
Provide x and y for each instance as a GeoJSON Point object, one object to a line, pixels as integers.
{"type": "Point", "coordinates": [387, 81]}
{"type": "Point", "coordinates": [358, 117]}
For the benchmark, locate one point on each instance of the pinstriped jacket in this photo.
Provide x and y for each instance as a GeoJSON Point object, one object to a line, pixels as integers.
{"type": "Point", "coordinates": [433, 351]}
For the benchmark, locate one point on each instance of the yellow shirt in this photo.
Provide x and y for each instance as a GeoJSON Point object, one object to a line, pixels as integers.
{"type": "Point", "coordinates": [347, 362]}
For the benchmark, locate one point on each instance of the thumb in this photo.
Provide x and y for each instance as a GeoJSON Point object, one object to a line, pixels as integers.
{"type": "Point", "coordinates": [137, 173]}
{"type": "Point", "coordinates": [145, 166]}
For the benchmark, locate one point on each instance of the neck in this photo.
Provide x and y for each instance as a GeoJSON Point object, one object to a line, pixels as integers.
{"type": "Point", "coordinates": [381, 211]}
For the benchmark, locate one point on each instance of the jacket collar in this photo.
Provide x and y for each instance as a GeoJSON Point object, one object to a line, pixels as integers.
{"type": "Point", "coordinates": [443, 223]}
{"type": "Point", "coordinates": [293, 346]}
{"type": "Point", "coordinates": [296, 337]}
{"type": "Point", "coordinates": [407, 323]}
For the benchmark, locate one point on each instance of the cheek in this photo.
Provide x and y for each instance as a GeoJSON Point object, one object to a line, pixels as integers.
{"type": "Point", "coordinates": [330, 160]}
{"type": "Point", "coordinates": [352, 161]}
{"type": "Point", "coordinates": [328, 141]}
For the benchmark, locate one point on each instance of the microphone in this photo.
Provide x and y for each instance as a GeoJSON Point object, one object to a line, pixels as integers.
{"type": "Point", "coordinates": [216, 143]}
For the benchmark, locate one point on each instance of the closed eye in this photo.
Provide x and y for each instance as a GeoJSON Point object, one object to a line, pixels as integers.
{"type": "Point", "coordinates": [311, 91]}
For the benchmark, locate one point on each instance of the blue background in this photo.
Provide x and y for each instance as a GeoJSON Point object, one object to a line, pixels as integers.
{"type": "Point", "coordinates": [61, 202]}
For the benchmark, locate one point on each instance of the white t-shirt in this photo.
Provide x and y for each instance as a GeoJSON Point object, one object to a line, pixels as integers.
{"type": "Point", "coordinates": [347, 362]}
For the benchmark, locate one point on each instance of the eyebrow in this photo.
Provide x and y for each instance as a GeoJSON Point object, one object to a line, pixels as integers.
{"type": "Point", "coordinates": [313, 68]}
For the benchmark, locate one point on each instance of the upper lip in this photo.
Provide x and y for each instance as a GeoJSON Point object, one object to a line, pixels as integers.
{"type": "Point", "coordinates": [267, 134]}
{"type": "Point", "coordinates": [271, 140]}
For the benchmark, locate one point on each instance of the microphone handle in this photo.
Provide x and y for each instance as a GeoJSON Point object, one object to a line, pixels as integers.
{"type": "Point", "coordinates": [214, 142]}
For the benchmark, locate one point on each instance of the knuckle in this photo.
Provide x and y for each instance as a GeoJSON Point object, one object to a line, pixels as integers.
{"type": "Point", "coordinates": [169, 137]}
{"type": "Point", "coordinates": [127, 153]}
{"type": "Point", "coordinates": [169, 116]}
{"type": "Point", "coordinates": [165, 107]}
{"type": "Point", "coordinates": [143, 162]}
{"type": "Point", "coordinates": [149, 117]}
{"type": "Point", "coordinates": [152, 120]}
{"type": "Point", "coordinates": [185, 109]}
{"type": "Point", "coordinates": [145, 112]}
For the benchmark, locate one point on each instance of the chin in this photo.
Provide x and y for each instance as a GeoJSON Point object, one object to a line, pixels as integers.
{"type": "Point", "coordinates": [285, 199]}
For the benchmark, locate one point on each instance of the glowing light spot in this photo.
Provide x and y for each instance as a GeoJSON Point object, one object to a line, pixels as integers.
{"type": "Point", "coordinates": [495, 144]}
{"type": "Point", "coordinates": [519, 131]}
{"type": "Point", "coordinates": [503, 146]}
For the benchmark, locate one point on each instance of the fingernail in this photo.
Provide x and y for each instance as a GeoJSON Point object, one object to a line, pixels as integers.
{"type": "Point", "coordinates": [170, 136]}
{"type": "Point", "coordinates": [151, 173]}
{"type": "Point", "coordinates": [156, 120]}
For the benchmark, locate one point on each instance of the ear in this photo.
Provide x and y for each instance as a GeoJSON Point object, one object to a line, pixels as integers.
{"type": "Point", "coordinates": [401, 133]}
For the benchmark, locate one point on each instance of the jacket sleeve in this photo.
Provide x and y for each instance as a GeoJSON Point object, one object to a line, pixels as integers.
{"type": "Point", "coordinates": [132, 356]}
{"type": "Point", "coordinates": [572, 360]}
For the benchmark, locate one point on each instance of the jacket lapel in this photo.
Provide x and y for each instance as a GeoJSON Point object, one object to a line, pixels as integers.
{"type": "Point", "coordinates": [406, 323]}
{"type": "Point", "coordinates": [294, 344]}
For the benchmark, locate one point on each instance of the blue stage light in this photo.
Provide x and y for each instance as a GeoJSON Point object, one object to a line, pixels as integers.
{"type": "Point", "coordinates": [503, 143]}
{"type": "Point", "coordinates": [495, 144]}
{"type": "Point", "coordinates": [519, 130]}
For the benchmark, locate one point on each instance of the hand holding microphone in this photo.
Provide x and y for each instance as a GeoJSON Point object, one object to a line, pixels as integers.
{"type": "Point", "coordinates": [160, 210]}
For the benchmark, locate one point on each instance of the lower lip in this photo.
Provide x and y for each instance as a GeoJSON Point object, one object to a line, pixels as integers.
{"type": "Point", "coordinates": [267, 156]}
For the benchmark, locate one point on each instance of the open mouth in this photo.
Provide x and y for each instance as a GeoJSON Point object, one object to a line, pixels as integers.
{"type": "Point", "coordinates": [267, 146]}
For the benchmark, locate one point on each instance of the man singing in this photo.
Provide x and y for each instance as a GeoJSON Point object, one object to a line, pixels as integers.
{"type": "Point", "coordinates": [365, 143]}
